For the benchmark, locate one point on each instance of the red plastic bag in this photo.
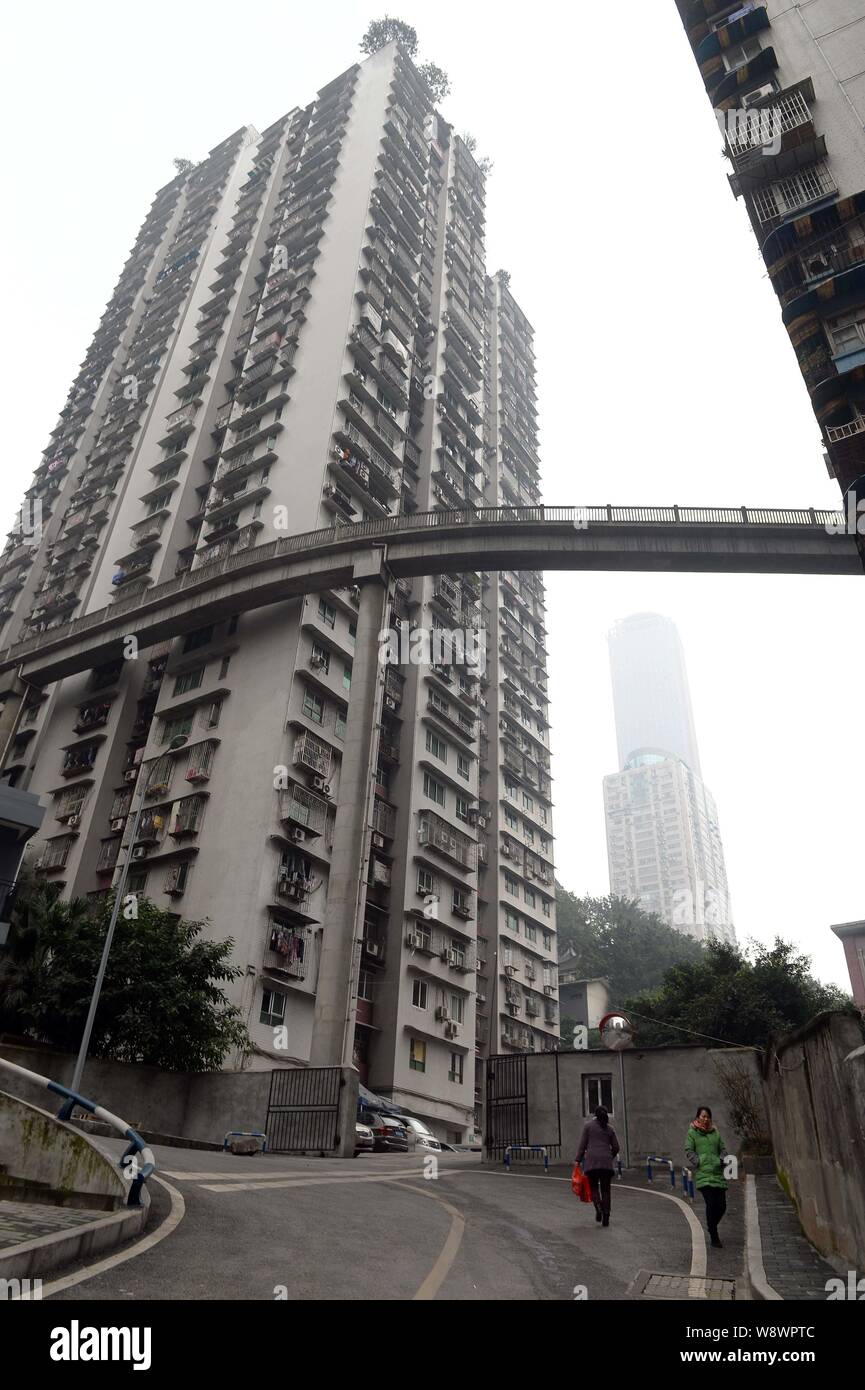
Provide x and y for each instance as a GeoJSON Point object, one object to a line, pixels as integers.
{"type": "Point", "coordinates": [580, 1185]}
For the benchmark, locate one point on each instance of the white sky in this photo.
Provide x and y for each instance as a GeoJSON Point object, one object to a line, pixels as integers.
{"type": "Point", "coordinates": [665, 374]}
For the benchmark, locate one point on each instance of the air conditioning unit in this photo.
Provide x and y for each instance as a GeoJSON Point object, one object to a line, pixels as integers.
{"type": "Point", "coordinates": [298, 835]}
{"type": "Point", "coordinates": [378, 841]}
{"type": "Point", "coordinates": [139, 852]}
{"type": "Point", "coordinates": [445, 954]}
{"type": "Point", "coordinates": [481, 822]}
{"type": "Point", "coordinates": [119, 823]}
{"type": "Point", "coordinates": [442, 1013]}
{"type": "Point", "coordinates": [317, 662]}
{"type": "Point", "coordinates": [767, 90]}
{"type": "Point", "coordinates": [452, 1030]}
{"type": "Point", "coordinates": [320, 784]}
{"type": "Point", "coordinates": [506, 852]}
{"type": "Point", "coordinates": [372, 948]}
{"type": "Point", "coordinates": [131, 775]}
{"type": "Point", "coordinates": [510, 969]}
{"type": "Point", "coordinates": [72, 821]}
{"type": "Point", "coordinates": [413, 941]}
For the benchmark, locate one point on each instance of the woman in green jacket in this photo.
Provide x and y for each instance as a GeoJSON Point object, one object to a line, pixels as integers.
{"type": "Point", "coordinates": [705, 1152]}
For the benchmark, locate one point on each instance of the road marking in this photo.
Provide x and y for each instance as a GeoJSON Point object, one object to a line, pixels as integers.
{"type": "Point", "coordinates": [262, 1185]}
{"type": "Point", "coordinates": [272, 1177]}
{"type": "Point", "coordinates": [165, 1228]}
{"type": "Point", "coordinates": [754, 1245]}
{"type": "Point", "coordinates": [448, 1253]}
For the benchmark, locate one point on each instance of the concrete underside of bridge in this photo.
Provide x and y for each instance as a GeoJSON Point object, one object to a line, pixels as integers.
{"type": "Point", "coordinates": [211, 594]}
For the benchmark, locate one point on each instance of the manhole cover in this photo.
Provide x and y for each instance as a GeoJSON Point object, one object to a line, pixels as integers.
{"type": "Point", "coordinates": [651, 1283]}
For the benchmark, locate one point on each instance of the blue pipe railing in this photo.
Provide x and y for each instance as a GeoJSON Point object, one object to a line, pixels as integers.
{"type": "Point", "coordinates": [134, 1172]}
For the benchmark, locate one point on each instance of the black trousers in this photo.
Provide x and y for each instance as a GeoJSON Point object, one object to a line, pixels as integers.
{"type": "Point", "coordinates": [599, 1182]}
{"type": "Point", "coordinates": [716, 1204]}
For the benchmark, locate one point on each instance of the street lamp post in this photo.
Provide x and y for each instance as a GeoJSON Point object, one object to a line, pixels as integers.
{"type": "Point", "coordinates": [140, 788]}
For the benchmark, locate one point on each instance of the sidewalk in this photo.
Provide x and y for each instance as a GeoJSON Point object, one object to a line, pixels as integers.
{"type": "Point", "coordinates": [791, 1264]}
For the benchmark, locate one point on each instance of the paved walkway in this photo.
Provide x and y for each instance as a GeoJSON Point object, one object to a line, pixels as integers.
{"type": "Point", "coordinates": [20, 1221]}
{"type": "Point", "coordinates": [793, 1267]}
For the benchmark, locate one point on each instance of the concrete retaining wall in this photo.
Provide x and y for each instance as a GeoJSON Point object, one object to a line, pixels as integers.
{"type": "Point", "coordinates": [191, 1105]}
{"type": "Point", "coordinates": [814, 1085]}
{"type": "Point", "coordinates": [662, 1089]}
{"type": "Point", "coordinates": [37, 1148]}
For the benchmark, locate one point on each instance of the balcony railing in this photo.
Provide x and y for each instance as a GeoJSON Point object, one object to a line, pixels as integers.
{"type": "Point", "coordinates": [762, 127]}
{"type": "Point", "coordinates": [437, 834]}
{"type": "Point", "coordinates": [786, 196]}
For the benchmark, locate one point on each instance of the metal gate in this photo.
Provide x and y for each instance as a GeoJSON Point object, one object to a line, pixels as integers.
{"type": "Point", "coordinates": [303, 1110]}
{"type": "Point", "coordinates": [508, 1105]}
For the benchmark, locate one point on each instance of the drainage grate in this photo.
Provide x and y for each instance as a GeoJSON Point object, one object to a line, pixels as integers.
{"type": "Point", "coordinates": [651, 1283]}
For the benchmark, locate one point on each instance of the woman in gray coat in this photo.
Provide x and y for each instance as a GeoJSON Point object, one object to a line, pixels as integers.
{"type": "Point", "coordinates": [597, 1148]}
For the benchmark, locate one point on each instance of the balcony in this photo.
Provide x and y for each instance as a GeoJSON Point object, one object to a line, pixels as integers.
{"type": "Point", "coordinates": [313, 753]}
{"type": "Point", "coordinates": [777, 201]}
{"type": "Point", "coordinates": [374, 941]}
{"type": "Point", "coordinates": [288, 951]}
{"type": "Point", "coordinates": [435, 833]}
{"type": "Point", "coordinates": [302, 808]}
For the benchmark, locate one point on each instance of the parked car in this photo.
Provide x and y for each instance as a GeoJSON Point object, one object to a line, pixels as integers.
{"type": "Point", "coordinates": [389, 1134]}
{"type": "Point", "coordinates": [420, 1136]}
{"type": "Point", "coordinates": [364, 1139]}
{"type": "Point", "coordinates": [462, 1148]}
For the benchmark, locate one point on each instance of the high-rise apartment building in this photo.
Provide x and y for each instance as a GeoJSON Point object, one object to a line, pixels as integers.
{"type": "Point", "coordinates": [663, 840]}
{"type": "Point", "coordinates": [650, 689]}
{"type": "Point", "coordinates": [788, 85]}
{"type": "Point", "coordinates": [304, 336]}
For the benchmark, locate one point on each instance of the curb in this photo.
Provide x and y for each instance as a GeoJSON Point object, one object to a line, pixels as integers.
{"type": "Point", "coordinates": [761, 1289]}
{"type": "Point", "coordinates": [33, 1258]}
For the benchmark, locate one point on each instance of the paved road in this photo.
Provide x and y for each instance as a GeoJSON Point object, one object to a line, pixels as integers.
{"type": "Point", "coordinates": [377, 1228]}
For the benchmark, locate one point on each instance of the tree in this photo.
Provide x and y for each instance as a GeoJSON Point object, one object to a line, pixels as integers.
{"type": "Point", "coordinates": [162, 1001]}
{"type": "Point", "coordinates": [437, 82]}
{"type": "Point", "coordinates": [728, 996]}
{"type": "Point", "coordinates": [616, 939]}
{"type": "Point", "coordinates": [384, 31]}
{"type": "Point", "coordinates": [184, 166]}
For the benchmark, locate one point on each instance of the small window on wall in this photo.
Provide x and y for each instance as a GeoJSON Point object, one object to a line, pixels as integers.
{"type": "Point", "coordinates": [419, 994]}
{"type": "Point", "coordinates": [598, 1090]}
{"type": "Point", "coordinates": [456, 1069]}
{"type": "Point", "coordinates": [191, 680]}
{"type": "Point", "coordinates": [417, 1055]}
{"type": "Point", "coordinates": [272, 1008]}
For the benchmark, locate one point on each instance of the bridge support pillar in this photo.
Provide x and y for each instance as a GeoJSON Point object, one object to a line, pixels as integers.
{"type": "Point", "coordinates": [336, 995]}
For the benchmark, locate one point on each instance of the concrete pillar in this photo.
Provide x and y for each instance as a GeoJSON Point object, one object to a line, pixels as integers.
{"type": "Point", "coordinates": [348, 1093]}
{"type": "Point", "coordinates": [336, 996]}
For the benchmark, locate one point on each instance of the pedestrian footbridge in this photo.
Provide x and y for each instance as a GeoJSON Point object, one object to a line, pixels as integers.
{"type": "Point", "coordinates": [720, 540]}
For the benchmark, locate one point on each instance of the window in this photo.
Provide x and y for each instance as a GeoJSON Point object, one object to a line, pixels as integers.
{"type": "Point", "coordinates": [320, 657]}
{"type": "Point", "coordinates": [463, 765]}
{"type": "Point", "coordinates": [272, 1008]}
{"type": "Point", "coordinates": [531, 932]}
{"type": "Point", "coordinates": [528, 803]}
{"type": "Point", "coordinates": [223, 667]}
{"type": "Point", "coordinates": [512, 885]}
{"type": "Point", "coordinates": [313, 707]}
{"type": "Point", "coordinates": [327, 613]}
{"type": "Point", "coordinates": [341, 722]}
{"type": "Point", "coordinates": [512, 921]}
{"type": "Point", "coordinates": [190, 681]}
{"type": "Point", "coordinates": [456, 1068]}
{"type": "Point", "coordinates": [463, 808]}
{"type": "Point", "coordinates": [547, 906]}
{"type": "Point", "coordinates": [511, 819]}
{"type": "Point", "coordinates": [460, 900]}
{"type": "Point", "coordinates": [179, 727]}
{"type": "Point", "coordinates": [436, 746]}
{"type": "Point", "coordinates": [365, 985]}
{"type": "Point", "coordinates": [433, 789]}
{"type": "Point", "coordinates": [199, 638]}
{"type": "Point", "coordinates": [598, 1090]}
{"type": "Point", "coordinates": [848, 331]}
{"type": "Point", "coordinates": [232, 626]}
{"type": "Point", "coordinates": [419, 994]}
{"type": "Point", "coordinates": [346, 676]}
{"type": "Point", "coordinates": [213, 714]}
{"type": "Point", "coordinates": [425, 882]}
{"type": "Point", "coordinates": [352, 632]}
{"type": "Point", "coordinates": [457, 1007]}
{"type": "Point", "coordinates": [417, 1055]}
{"type": "Point", "coordinates": [529, 895]}
{"type": "Point", "coordinates": [136, 883]}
